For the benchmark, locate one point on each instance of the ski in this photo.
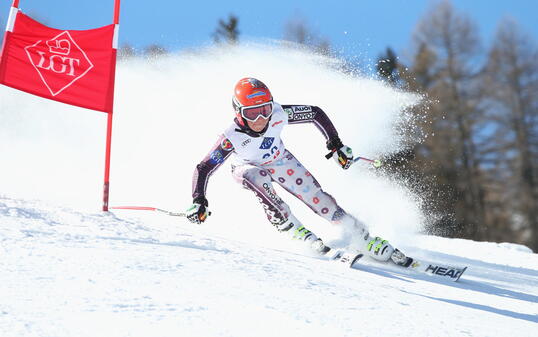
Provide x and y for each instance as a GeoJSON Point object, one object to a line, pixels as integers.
{"type": "Point", "coordinates": [452, 273]}
{"type": "Point", "coordinates": [434, 269]}
{"type": "Point", "coordinates": [346, 258]}
{"type": "Point", "coordinates": [444, 271]}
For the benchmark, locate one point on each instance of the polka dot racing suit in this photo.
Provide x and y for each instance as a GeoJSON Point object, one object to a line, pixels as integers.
{"type": "Point", "coordinates": [294, 178]}
{"type": "Point", "coordinates": [261, 160]}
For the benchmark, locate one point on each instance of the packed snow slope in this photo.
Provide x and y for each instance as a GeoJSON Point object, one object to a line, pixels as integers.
{"type": "Point", "coordinates": [70, 270]}
{"type": "Point", "coordinates": [72, 273]}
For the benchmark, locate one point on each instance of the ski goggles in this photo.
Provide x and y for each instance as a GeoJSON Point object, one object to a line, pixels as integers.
{"type": "Point", "coordinates": [252, 113]}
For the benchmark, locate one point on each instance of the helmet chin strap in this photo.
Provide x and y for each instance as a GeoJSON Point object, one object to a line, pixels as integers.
{"type": "Point", "coordinates": [247, 130]}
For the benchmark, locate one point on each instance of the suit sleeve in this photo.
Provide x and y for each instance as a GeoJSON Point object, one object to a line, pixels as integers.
{"type": "Point", "coordinates": [222, 149]}
{"type": "Point", "coordinates": [311, 114]}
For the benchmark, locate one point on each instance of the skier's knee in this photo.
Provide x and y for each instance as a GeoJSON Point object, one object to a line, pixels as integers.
{"type": "Point", "coordinates": [259, 181]}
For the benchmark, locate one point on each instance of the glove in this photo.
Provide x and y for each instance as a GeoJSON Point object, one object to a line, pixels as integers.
{"type": "Point", "coordinates": [198, 211]}
{"type": "Point", "coordinates": [344, 157]}
{"type": "Point", "coordinates": [341, 153]}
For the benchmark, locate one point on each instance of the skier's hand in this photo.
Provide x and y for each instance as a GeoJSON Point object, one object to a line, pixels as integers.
{"type": "Point", "coordinates": [344, 157]}
{"type": "Point", "coordinates": [342, 154]}
{"type": "Point", "coordinates": [198, 212]}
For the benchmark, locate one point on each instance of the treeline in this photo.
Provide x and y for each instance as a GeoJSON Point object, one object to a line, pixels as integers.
{"type": "Point", "coordinates": [479, 161]}
{"type": "Point", "coordinates": [227, 32]}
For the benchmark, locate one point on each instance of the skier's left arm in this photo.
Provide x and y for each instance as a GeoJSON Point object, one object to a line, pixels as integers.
{"type": "Point", "coordinates": [298, 114]}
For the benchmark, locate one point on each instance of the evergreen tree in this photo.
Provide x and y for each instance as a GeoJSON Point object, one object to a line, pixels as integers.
{"type": "Point", "coordinates": [227, 31]}
{"type": "Point", "coordinates": [298, 31]}
{"type": "Point", "coordinates": [387, 66]}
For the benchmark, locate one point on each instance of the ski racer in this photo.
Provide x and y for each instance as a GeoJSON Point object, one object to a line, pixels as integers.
{"type": "Point", "coordinates": [261, 159]}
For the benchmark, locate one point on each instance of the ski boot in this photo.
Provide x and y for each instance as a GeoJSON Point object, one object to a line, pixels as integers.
{"type": "Point", "coordinates": [319, 247]}
{"type": "Point", "coordinates": [378, 249]}
{"type": "Point", "coordinates": [362, 242]}
{"type": "Point", "coordinates": [382, 250]}
{"type": "Point", "coordinates": [297, 231]}
{"type": "Point", "coordinates": [400, 259]}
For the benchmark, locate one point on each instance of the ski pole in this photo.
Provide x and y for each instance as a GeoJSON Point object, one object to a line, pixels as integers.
{"type": "Point", "coordinates": [145, 208]}
{"type": "Point", "coordinates": [376, 163]}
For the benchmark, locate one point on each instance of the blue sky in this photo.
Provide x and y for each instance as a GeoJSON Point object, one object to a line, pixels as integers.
{"type": "Point", "coordinates": [355, 27]}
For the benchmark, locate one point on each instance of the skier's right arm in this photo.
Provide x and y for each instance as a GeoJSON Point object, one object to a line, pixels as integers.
{"type": "Point", "coordinates": [222, 149]}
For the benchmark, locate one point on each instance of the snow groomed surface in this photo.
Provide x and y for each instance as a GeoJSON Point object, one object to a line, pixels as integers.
{"type": "Point", "coordinates": [71, 273]}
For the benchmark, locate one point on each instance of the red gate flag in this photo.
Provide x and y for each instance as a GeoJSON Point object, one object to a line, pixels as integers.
{"type": "Point", "coordinates": [76, 67]}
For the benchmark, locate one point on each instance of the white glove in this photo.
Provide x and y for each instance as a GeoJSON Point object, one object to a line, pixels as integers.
{"type": "Point", "coordinates": [197, 213]}
{"type": "Point", "coordinates": [344, 156]}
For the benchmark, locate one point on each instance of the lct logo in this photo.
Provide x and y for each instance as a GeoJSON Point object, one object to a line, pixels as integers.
{"type": "Point", "coordinates": [60, 62]}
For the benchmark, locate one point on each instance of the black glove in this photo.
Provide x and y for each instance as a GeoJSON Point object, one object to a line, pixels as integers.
{"type": "Point", "coordinates": [198, 211]}
{"type": "Point", "coordinates": [341, 153]}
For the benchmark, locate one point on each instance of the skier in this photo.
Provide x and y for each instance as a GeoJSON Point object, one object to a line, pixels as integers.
{"type": "Point", "coordinates": [261, 159]}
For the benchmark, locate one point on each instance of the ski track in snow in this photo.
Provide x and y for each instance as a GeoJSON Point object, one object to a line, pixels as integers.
{"type": "Point", "coordinates": [68, 273]}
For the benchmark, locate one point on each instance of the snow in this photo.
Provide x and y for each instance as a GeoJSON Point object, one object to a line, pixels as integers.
{"type": "Point", "coordinates": [68, 269]}
{"type": "Point", "coordinates": [71, 273]}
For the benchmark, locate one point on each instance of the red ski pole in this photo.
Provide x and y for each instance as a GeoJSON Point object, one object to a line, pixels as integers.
{"type": "Point", "coordinates": [146, 208]}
